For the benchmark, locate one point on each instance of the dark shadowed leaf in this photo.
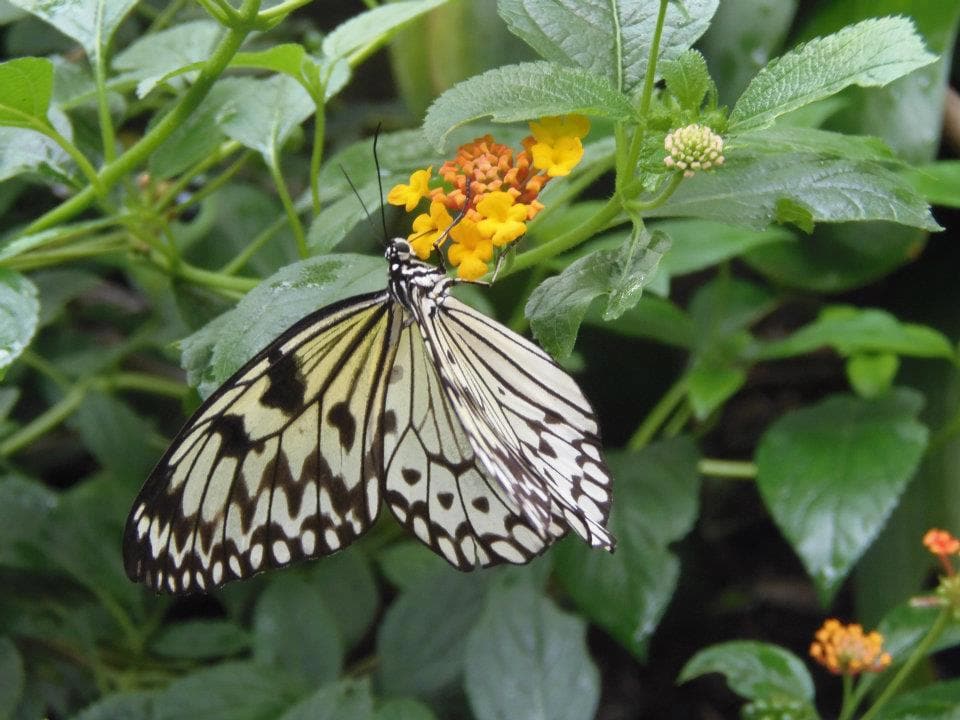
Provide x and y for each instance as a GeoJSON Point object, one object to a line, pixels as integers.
{"type": "Point", "coordinates": [655, 504]}
{"type": "Point", "coordinates": [343, 700]}
{"type": "Point", "coordinates": [201, 639]}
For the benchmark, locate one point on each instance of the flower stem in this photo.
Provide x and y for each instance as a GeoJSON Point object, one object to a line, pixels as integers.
{"type": "Point", "coordinates": [316, 154]}
{"type": "Point", "coordinates": [235, 265]}
{"type": "Point", "coordinates": [919, 652]}
{"type": "Point", "coordinates": [849, 703]}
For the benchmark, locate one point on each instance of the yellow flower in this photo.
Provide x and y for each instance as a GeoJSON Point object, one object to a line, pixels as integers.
{"type": "Point", "coordinates": [427, 229]}
{"type": "Point", "coordinates": [550, 129]}
{"type": "Point", "coordinates": [502, 218]}
{"type": "Point", "coordinates": [410, 195]}
{"type": "Point", "coordinates": [846, 650]}
{"type": "Point", "coordinates": [470, 252]}
{"type": "Point", "coordinates": [558, 148]}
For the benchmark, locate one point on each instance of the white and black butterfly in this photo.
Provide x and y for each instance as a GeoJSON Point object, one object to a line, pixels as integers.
{"type": "Point", "coordinates": [478, 442]}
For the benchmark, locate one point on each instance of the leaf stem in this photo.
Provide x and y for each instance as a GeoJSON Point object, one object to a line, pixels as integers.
{"type": "Point", "coordinates": [241, 259]}
{"type": "Point", "coordinates": [734, 469]}
{"type": "Point", "coordinates": [45, 421]}
{"type": "Point", "coordinates": [231, 284]}
{"type": "Point", "coordinates": [221, 153]}
{"type": "Point", "coordinates": [107, 136]}
{"type": "Point", "coordinates": [143, 382]}
{"type": "Point", "coordinates": [651, 74]}
{"type": "Point", "coordinates": [112, 172]}
{"type": "Point", "coordinates": [284, 8]}
{"type": "Point", "coordinates": [295, 225]}
{"type": "Point", "coordinates": [89, 172]}
{"type": "Point", "coordinates": [919, 652]}
{"type": "Point", "coordinates": [316, 152]}
{"type": "Point", "coordinates": [659, 414]}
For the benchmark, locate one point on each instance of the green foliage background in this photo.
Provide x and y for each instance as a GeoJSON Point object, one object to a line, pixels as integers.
{"type": "Point", "coordinates": [173, 196]}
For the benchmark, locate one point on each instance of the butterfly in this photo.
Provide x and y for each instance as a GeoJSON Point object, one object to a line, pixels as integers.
{"type": "Point", "coordinates": [477, 441]}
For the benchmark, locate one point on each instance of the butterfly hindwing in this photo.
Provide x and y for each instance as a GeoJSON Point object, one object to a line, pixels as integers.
{"type": "Point", "coordinates": [433, 482]}
{"type": "Point", "coordinates": [282, 462]}
{"type": "Point", "coordinates": [526, 418]}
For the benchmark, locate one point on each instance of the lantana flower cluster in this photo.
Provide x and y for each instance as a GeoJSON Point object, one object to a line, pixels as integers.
{"type": "Point", "coordinates": [503, 191]}
{"type": "Point", "coordinates": [848, 650]}
{"type": "Point", "coordinates": [693, 147]}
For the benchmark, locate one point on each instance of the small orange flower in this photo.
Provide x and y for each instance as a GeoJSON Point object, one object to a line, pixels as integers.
{"type": "Point", "coordinates": [427, 229]}
{"type": "Point", "coordinates": [846, 650]}
{"type": "Point", "coordinates": [502, 218]}
{"type": "Point", "coordinates": [410, 195]}
{"type": "Point", "coordinates": [942, 544]}
{"type": "Point", "coordinates": [470, 252]}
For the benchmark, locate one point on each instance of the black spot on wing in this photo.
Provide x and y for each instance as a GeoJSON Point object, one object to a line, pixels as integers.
{"type": "Point", "coordinates": [342, 419]}
{"type": "Point", "coordinates": [287, 388]}
{"type": "Point", "coordinates": [411, 475]}
{"type": "Point", "coordinates": [446, 500]}
{"type": "Point", "coordinates": [234, 438]}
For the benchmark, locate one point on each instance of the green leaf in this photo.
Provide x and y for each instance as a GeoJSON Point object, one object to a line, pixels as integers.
{"type": "Point", "coordinates": [200, 134]}
{"type": "Point", "coordinates": [838, 257]}
{"type": "Point", "coordinates": [57, 287]}
{"type": "Point", "coordinates": [374, 26]}
{"type": "Point", "coordinates": [26, 86]}
{"type": "Point", "coordinates": [344, 700]}
{"type": "Point", "coordinates": [265, 115]}
{"type": "Point", "coordinates": [688, 79]}
{"type": "Point", "coordinates": [19, 313]}
{"type": "Point", "coordinates": [742, 37]}
{"type": "Point", "coordinates": [611, 39]}
{"type": "Point", "coordinates": [747, 191]}
{"type": "Point", "coordinates": [521, 92]}
{"type": "Point", "coordinates": [216, 351]}
{"type": "Point", "coordinates": [420, 641]}
{"type": "Point", "coordinates": [24, 508]}
{"type": "Point", "coordinates": [293, 630]}
{"type": "Point", "coordinates": [128, 705]}
{"type": "Point", "coordinates": [349, 592]}
{"type": "Point", "coordinates": [81, 536]}
{"type": "Point", "coordinates": [228, 691]}
{"type": "Point", "coordinates": [938, 183]}
{"type": "Point", "coordinates": [404, 709]}
{"type": "Point", "coordinates": [155, 56]}
{"type": "Point", "coordinates": [11, 670]}
{"type": "Point", "coordinates": [25, 151]}
{"type": "Point", "coordinates": [753, 670]}
{"type": "Point", "coordinates": [408, 563]}
{"type": "Point", "coordinates": [106, 423]}
{"type": "Point", "coordinates": [871, 53]}
{"type": "Point", "coordinates": [872, 375]}
{"type": "Point", "coordinates": [700, 244]}
{"type": "Point", "coordinates": [527, 658]}
{"type": "Point", "coordinates": [627, 592]}
{"type": "Point", "coordinates": [940, 701]}
{"type": "Point", "coordinates": [852, 330]}
{"type": "Point", "coordinates": [721, 310]}
{"type": "Point", "coordinates": [90, 22]}
{"type": "Point", "coordinates": [778, 140]}
{"type": "Point", "coordinates": [557, 306]}
{"type": "Point", "coordinates": [831, 474]}
{"type": "Point", "coordinates": [200, 640]}
{"type": "Point", "coordinates": [654, 318]}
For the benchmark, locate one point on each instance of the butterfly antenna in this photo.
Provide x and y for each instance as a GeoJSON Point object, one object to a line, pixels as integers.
{"type": "Point", "coordinates": [376, 164]}
{"type": "Point", "coordinates": [360, 199]}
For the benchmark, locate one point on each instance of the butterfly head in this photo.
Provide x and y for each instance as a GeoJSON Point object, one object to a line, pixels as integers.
{"type": "Point", "coordinates": [398, 251]}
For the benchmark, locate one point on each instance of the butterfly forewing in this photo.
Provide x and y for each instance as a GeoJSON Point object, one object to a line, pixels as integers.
{"type": "Point", "coordinates": [281, 463]}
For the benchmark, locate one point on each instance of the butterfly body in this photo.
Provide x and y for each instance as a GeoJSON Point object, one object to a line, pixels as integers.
{"type": "Point", "coordinates": [475, 439]}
